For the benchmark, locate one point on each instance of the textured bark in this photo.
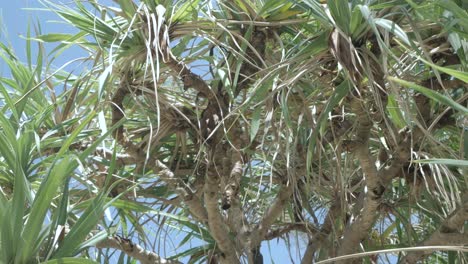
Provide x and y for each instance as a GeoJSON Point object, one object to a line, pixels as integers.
{"type": "Point", "coordinates": [190, 199]}
{"type": "Point", "coordinates": [217, 226]}
{"type": "Point", "coordinates": [373, 192]}
{"type": "Point", "coordinates": [232, 186]}
{"type": "Point", "coordinates": [232, 183]}
{"type": "Point", "coordinates": [188, 78]}
{"type": "Point", "coordinates": [238, 224]}
{"type": "Point", "coordinates": [134, 251]}
{"type": "Point", "coordinates": [359, 229]}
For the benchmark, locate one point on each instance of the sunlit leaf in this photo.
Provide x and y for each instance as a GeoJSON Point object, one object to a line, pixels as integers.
{"type": "Point", "coordinates": [390, 26]}
{"type": "Point", "coordinates": [452, 162]}
{"type": "Point", "coordinates": [54, 37]}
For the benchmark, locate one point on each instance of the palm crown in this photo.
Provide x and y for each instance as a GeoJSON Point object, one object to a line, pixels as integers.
{"type": "Point", "coordinates": [239, 122]}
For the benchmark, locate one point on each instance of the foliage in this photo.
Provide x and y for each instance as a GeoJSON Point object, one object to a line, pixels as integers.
{"type": "Point", "coordinates": [235, 123]}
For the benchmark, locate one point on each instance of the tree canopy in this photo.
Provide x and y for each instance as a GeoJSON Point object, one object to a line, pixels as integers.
{"type": "Point", "coordinates": [336, 126]}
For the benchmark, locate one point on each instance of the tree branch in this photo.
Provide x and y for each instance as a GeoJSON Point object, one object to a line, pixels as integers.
{"type": "Point", "coordinates": [272, 213]}
{"type": "Point", "coordinates": [134, 251]}
{"type": "Point", "coordinates": [188, 78]}
{"type": "Point", "coordinates": [215, 221]}
{"type": "Point", "coordinates": [237, 170]}
{"type": "Point", "coordinates": [327, 227]}
{"type": "Point", "coordinates": [190, 199]}
{"type": "Point", "coordinates": [301, 227]}
{"type": "Point", "coordinates": [447, 234]}
{"type": "Point", "coordinates": [358, 230]}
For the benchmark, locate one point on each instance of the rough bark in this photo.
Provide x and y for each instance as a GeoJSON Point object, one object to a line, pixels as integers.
{"type": "Point", "coordinates": [217, 226]}
{"type": "Point", "coordinates": [374, 190]}
{"type": "Point", "coordinates": [134, 251]}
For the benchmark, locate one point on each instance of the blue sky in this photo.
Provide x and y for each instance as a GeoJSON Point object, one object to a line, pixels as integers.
{"type": "Point", "coordinates": [15, 15]}
{"type": "Point", "coordinates": [14, 20]}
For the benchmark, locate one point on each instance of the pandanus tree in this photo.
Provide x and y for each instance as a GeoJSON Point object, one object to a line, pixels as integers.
{"type": "Point", "coordinates": [341, 123]}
